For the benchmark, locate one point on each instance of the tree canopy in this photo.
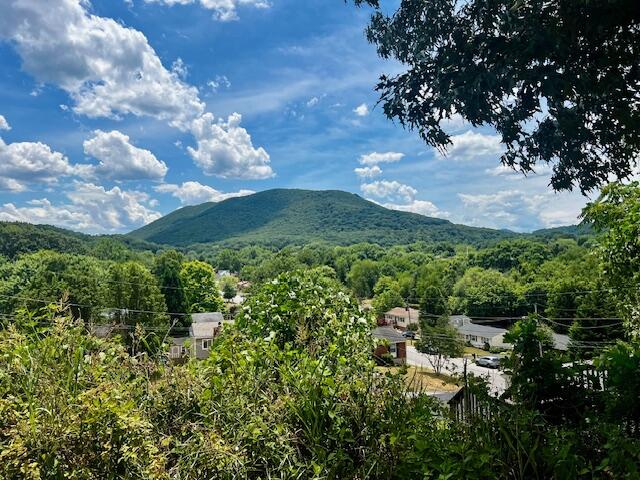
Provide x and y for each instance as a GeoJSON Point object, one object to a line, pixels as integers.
{"type": "Point", "coordinates": [558, 80]}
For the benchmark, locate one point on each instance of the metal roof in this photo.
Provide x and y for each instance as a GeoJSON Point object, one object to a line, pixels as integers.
{"type": "Point", "coordinates": [479, 330]}
{"type": "Point", "coordinates": [560, 342]}
{"type": "Point", "coordinates": [207, 317]}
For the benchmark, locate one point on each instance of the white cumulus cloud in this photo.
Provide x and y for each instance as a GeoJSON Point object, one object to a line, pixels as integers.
{"type": "Point", "coordinates": [224, 149]}
{"type": "Point", "coordinates": [520, 210]}
{"type": "Point", "coordinates": [375, 158]}
{"type": "Point", "coordinates": [194, 193]}
{"type": "Point", "coordinates": [361, 110]}
{"type": "Point", "coordinates": [108, 69]}
{"type": "Point", "coordinates": [393, 191]}
{"type": "Point", "coordinates": [120, 160]}
{"type": "Point", "coordinates": [4, 125]}
{"type": "Point", "coordinates": [471, 145]}
{"type": "Point", "coordinates": [24, 163]}
{"type": "Point", "coordinates": [223, 10]}
{"type": "Point", "coordinates": [423, 207]}
{"type": "Point", "coordinates": [90, 208]}
{"type": "Point", "coordinates": [368, 172]}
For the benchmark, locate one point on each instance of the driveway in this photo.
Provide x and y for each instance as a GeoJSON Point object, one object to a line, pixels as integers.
{"type": "Point", "coordinates": [496, 380]}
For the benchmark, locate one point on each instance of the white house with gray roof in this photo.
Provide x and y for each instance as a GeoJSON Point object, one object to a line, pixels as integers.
{"type": "Point", "coordinates": [478, 335]}
{"type": "Point", "coordinates": [482, 335]}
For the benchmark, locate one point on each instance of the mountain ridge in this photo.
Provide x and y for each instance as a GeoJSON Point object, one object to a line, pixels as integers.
{"type": "Point", "coordinates": [294, 216]}
{"type": "Point", "coordinates": [240, 222]}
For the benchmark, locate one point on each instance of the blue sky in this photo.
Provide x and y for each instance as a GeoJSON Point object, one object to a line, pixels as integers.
{"type": "Point", "coordinates": [115, 112]}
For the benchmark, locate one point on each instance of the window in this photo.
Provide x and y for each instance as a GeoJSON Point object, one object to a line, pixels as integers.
{"type": "Point", "coordinates": [393, 350]}
{"type": "Point", "coordinates": [473, 338]}
{"type": "Point", "coordinates": [176, 350]}
{"type": "Point", "coordinates": [206, 343]}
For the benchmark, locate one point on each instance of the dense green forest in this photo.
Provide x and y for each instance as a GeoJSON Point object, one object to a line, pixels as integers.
{"type": "Point", "coordinates": [18, 238]}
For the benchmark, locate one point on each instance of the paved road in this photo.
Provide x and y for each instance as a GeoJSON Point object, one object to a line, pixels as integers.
{"type": "Point", "coordinates": [496, 380]}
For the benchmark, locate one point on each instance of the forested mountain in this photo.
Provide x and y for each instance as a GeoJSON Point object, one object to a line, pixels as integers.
{"type": "Point", "coordinates": [273, 218]}
{"type": "Point", "coordinates": [281, 217]}
{"type": "Point", "coordinates": [17, 238]}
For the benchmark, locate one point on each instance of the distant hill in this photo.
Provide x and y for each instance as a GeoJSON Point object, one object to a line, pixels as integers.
{"type": "Point", "coordinates": [570, 231]}
{"type": "Point", "coordinates": [17, 238]}
{"type": "Point", "coordinates": [281, 217]}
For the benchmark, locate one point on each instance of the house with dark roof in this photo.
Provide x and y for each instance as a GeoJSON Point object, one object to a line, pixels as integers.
{"type": "Point", "coordinates": [390, 341]}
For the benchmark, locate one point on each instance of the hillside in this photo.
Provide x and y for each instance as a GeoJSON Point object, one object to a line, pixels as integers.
{"type": "Point", "coordinates": [17, 238]}
{"type": "Point", "coordinates": [281, 217]}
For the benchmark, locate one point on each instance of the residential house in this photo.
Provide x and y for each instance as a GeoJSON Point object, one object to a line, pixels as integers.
{"type": "Point", "coordinates": [204, 328]}
{"type": "Point", "coordinates": [391, 342]}
{"type": "Point", "coordinates": [482, 335]}
{"type": "Point", "coordinates": [401, 317]}
{"type": "Point", "coordinates": [479, 336]}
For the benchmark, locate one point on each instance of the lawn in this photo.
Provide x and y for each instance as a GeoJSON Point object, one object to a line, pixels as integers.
{"type": "Point", "coordinates": [420, 379]}
{"type": "Point", "coordinates": [478, 351]}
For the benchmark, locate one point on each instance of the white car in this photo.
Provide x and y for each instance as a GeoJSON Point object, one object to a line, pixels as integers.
{"type": "Point", "coordinates": [489, 361]}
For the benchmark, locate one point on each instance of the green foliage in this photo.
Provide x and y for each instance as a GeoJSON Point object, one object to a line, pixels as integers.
{"type": "Point", "coordinates": [363, 277]}
{"type": "Point", "coordinates": [20, 238]}
{"type": "Point", "coordinates": [433, 302]}
{"type": "Point", "coordinates": [229, 286]}
{"type": "Point", "coordinates": [71, 408]}
{"type": "Point", "coordinates": [200, 287]}
{"type": "Point", "coordinates": [622, 364]}
{"type": "Point", "coordinates": [616, 216]}
{"type": "Point", "coordinates": [387, 295]}
{"type": "Point", "coordinates": [531, 69]}
{"type": "Point", "coordinates": [167, 269]}
{"type": "Point", "coordinates": [306, 310]}
{"type": "Point", "coordinates": [36, 279]}
{"type": "Point", "coordinates": [290, 392]}
{"type": "Point", "coordinates": [135, 296]}
{"type": "Point", "coordinates": [484, 293]}
{"type": "Point", "coordinates": [536, 372]}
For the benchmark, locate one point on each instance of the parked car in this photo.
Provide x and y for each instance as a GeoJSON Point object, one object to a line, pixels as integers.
{"type": "Point", "coordinates": [409, 334]}
{"type": "Point", "coordinates": [489, 361]}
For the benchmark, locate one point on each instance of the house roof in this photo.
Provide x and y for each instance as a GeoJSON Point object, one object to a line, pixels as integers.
{"type": "Point", "coordinates": [178, 341]}
{"type": "Point", "coordinates": [203, 330]}
{"type": "Point", "coordinates": [479, 330]}
{"type": "Point", "coordinates": [207, 317]}
{"type": "Point", "coordinates": [560, 342]}
{"type": "Point", "coordinates": [404, 313]}
{"type": "Point", "coordinates": [389, 334]}
{"type": "Point", "coordinates": [456, 320]}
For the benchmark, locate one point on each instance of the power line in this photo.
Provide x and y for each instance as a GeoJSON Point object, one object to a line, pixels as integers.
{"type": "Point", "coordinates": [478, 320]}
{"type": "Point", "coordinates": [416, 301]}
